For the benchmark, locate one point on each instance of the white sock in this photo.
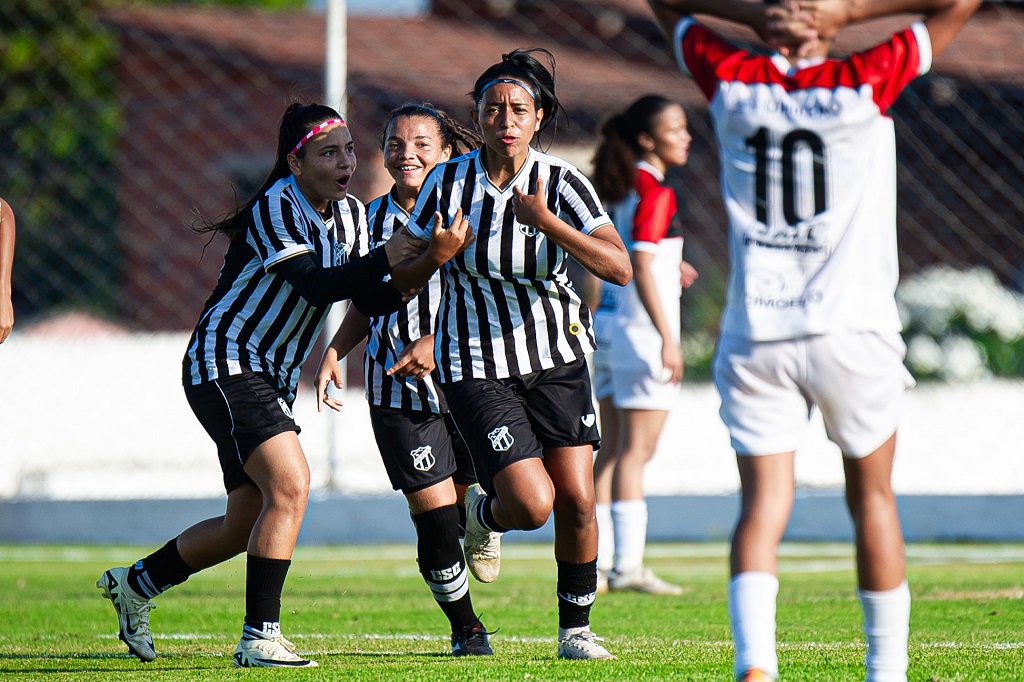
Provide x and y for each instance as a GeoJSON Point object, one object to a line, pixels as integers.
{"type": "Point", "coordinates": [886, 628]}
{"type": "Point", "coordinates": [605, 538]}
{"type": "Point", "coordinates": [630, 520]}
{"type": "Point", "coordinates": [752, 598]}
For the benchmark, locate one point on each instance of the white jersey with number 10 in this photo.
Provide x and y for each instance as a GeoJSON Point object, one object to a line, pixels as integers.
{"type": "Point", "coordinates": [808, 180]}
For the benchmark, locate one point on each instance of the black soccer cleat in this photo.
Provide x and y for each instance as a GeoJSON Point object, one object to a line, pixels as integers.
{"type": "Point", "coordinates": [471, 641]}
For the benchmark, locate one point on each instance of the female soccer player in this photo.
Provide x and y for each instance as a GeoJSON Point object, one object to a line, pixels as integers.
{"type": "Point", "coordinates": [288, 260]}
{"type": "Point", "coordinates": [808, 177]}
{"type": "Point", "coordinates": [512, 334]}
{"type": "Point", "coordinates": [6, 263]}
{"type": "Point", "coordinates": [638, 362]}
{"type": "Point", "coordinates": [423, 453]}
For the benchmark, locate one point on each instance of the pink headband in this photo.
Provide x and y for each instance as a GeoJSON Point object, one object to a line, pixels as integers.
{"type": "Point", "coordinates": [314, 131]}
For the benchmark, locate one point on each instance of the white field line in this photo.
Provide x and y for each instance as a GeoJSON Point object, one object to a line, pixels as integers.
{"type": "Point", "coordinates": [795, 646]}
{"type": "Point", "coordinates": [921, 554]}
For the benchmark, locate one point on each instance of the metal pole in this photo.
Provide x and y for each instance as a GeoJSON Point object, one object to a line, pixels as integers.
{"type": "Point", "coordinates": [335, 81]}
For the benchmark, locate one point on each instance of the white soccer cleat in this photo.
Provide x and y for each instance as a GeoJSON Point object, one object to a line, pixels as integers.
{"type": "Point", "coordinates": [641, 579]}
{"type": "Point", "coordinates": [581, 644]}
{"type": "Point", "coordinates": [259, 650]}
{"type": "Point", "coordinates": [482, 546]}
{"type": "Point", "coordinates": [132, 612]}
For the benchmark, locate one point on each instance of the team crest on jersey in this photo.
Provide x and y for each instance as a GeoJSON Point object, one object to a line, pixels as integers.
{"type": "Point", "coordinates": [423, 458]}
{"type": "Point", "coordinates": [341, 253]}
{"type": "Point", "coordinates": [588, 419]}
{"type": "Point", "coordinates": [528, 230]}
{"type": "Point", "coordinates": [501, 439]}
{"type": "Point", "coordinates": [284, 406]}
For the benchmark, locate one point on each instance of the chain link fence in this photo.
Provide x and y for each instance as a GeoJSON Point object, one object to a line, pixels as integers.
{"type": "Point", "coordinates": [121, 122]}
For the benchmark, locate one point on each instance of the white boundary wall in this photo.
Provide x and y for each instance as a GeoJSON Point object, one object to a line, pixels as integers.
{"type": "Point", "coordinates": [105, 418]}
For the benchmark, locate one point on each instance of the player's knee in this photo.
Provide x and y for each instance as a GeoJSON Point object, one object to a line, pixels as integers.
{"type": "Point", "coordinates": [529, 514]}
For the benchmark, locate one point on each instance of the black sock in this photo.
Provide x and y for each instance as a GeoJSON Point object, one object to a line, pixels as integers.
{"type": "Point", "coordinates": [160, 571]}
{"type": "Point", "coordinates": [486, 517]}
{"type": "Point", "coordinates": [442, 564]}
{"type": "Point", "coordinates": [264, 581]}
{"type": "Point", "coordinates": [577, 587]}
{"type": "Point", "coordinates": [462, 520]}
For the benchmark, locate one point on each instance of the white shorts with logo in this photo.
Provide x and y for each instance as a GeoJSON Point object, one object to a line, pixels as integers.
{"type": "Point", "coordinates": [768, 389]}
{"type": "Point", "coordinates": [624, 374]}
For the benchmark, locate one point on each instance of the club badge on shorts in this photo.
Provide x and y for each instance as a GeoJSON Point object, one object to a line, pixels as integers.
{"type": "Point", "coordinates": [501, 439]}
{"type": "Point", "coordinates": [423, 458]}
{"type": "Point", "coordinates": [284, 406]}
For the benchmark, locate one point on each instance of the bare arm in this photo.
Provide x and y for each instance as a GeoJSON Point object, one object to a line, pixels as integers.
{"type": "Point", "coordinates": [601, 252]}
{"type": "Point", "coordinates": [6, 265]}
{"type": "Point", "coordinates": [647, 292]}
{"type": "Point", "coordinates": [777, 25]}
{"type": "Point", "coordinates": [943, 18]}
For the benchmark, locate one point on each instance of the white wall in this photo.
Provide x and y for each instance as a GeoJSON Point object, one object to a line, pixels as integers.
{"type": "Point", "coordinates": [104, 418]}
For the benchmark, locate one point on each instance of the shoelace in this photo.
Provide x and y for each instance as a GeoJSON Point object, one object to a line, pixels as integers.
{"type": "Point", "coordinates": [587, 636]}
{"type": "Point", "coordinates": [489, 548]}
{"type": "Point", "coordinates": [142, 614]}
{"type": "Point", "coordinates": [287, 644]}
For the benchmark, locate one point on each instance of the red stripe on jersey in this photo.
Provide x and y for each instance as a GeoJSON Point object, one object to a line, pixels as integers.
{"type": "Point", "coordinates": [654, 211]}
{"type": "Point", "coordinates": [887, 67]}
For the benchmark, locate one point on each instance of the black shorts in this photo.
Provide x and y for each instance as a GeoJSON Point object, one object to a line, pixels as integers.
{"type": "Point", "coordinates": [507, 420]}
{"type": "Point", "coordinates": [420, 449]}
{"type": "Point", "coordinates": [240, 412]}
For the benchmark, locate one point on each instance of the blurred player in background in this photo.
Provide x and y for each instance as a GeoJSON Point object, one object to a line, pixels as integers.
{"type": "Point", "coordinates": [6, 263]}
{"type": "Point", "coordinates": [422, 450]}
{"type": "Point", "coordinates": [809, 182]}
{"type": "Point", "coordinates": [512, 334]}
{"type": "Point", "coordinates": [289, 258]}
{"type": "Point", "coordinates": [639, 362]}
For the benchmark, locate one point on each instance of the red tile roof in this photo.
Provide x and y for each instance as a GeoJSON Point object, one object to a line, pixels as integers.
{"type": "Point", "coordinates": [433, 58]}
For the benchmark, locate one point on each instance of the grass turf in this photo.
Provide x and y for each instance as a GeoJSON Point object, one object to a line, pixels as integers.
{"type": "Point", "coordinates": [365, 614]}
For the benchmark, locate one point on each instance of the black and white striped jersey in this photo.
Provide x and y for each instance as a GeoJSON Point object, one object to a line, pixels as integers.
{"type": "Point", "coordinates": [390, 334]}
{"type": "Point", "coordinates": [254, 321]}
{"type": "Point", "coordinates": [508, 307]}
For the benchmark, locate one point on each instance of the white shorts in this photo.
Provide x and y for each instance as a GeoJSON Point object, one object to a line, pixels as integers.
{"type": "Point", "coordinates": [618, 375]}
{"type": "Point", "coordinates": [769, 388]}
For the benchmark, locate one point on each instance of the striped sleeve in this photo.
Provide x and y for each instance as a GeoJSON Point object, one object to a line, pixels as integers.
{"type": "Point", "coordinates": [578, 203]}
{"type": "Point", "coordinates": [277, 230]}
{"type": "Point", "coordinates": [422, 217]}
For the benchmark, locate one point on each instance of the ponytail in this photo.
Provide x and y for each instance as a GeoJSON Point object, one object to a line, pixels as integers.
{"type": "Point", "coordinates": [296, 123]}
{"type": "Point", "coordinates": [619, 147]}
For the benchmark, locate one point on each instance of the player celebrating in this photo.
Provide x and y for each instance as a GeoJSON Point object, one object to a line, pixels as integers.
{"type": "Point", "coordinates": [638, 362]}
{"type": "Point", "coordinates": [808, 177]}
{"type": "Point", "coordinates": [512, 333]}
{"type": "Point", "coordinates": [422, 451]}
{"type": "Point", "coordinates": [287, 261]}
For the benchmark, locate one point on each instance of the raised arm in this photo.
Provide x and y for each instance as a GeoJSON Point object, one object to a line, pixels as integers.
{"type": "Point", "coordinates": [778, 24]}
{"type": "Point", "coordinates": [942, 18]}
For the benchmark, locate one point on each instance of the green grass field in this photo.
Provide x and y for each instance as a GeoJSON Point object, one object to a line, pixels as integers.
{"type": "Point", "coordinates": [365, 614]}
